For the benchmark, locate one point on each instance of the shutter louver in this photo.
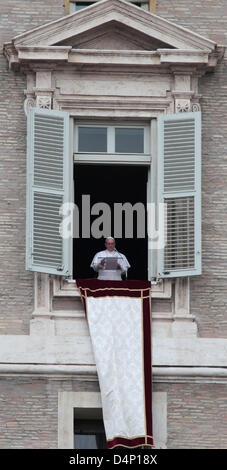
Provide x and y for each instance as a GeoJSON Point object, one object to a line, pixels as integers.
{"type": "Point", "coordinates": [179, 179]}
{"type": "Point", "coordinates": [48, 151]}
{"type": "Point", "coordinates": [47, 243]}
{"type": "Point", "coordinates": [179, 250]}
{"type": "Point", "coordinates": [48, 187]}
{"type": "Point", "coordinates": [179, 155]}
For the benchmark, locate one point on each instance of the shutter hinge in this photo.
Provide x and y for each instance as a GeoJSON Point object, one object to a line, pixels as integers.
{"type": "Point", "coordinates": [155, 281]}
{"type": "Point", "coordinates": [60, 268]}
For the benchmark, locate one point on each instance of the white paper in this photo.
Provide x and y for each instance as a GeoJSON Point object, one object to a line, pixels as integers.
{"type": "Point", "coordinates": [111, 263]}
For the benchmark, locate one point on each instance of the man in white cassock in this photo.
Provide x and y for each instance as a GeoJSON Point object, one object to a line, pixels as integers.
{"type": "Point", "coordinates": [100, 262]}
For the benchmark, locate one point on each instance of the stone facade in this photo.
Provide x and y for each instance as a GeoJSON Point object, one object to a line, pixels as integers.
{"type": "Point", "coordinates": [37, 307]}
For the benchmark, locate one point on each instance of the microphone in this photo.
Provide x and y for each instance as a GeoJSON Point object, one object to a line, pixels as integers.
{"type": "Point", "coordinates": [126, 271]}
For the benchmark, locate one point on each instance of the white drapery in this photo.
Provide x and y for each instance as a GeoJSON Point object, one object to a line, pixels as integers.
{"type": "Point", "coordinates": [119, 319]}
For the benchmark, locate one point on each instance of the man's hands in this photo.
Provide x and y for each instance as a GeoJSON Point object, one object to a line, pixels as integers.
{"type": "Point", "coordinates": [103, 262]}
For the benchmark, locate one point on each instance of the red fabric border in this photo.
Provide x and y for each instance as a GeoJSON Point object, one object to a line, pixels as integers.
{"type": "Point", "coordinates": [99, 288]}
{"type": "Point", "coordinates": [134, 288]}
{"type": "Point", "coordinates": [131, 443]}
{"type": "Point", "coordinates": [147, 364]}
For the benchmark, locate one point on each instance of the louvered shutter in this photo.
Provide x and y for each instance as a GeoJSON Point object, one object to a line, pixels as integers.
{"type": "Point", "coordinates": [179, 187]}
{"type": "Point", "coordinates": [49, 185]}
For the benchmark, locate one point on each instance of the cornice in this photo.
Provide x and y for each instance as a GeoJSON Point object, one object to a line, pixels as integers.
{"type": "Point", "coordinates": [88, 373]}
{"type": "Point", "coordinates": [42, 43]}
{"type": "Point", "coordinates": [21, 55]}
{"type": "Point", "coordinates": [119, 11]}
{"type": "Point", "coordinates": [48, 53]}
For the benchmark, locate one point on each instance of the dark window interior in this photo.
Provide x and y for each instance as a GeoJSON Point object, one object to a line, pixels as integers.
{"type": "Point", "coordinates": [92, 139]}
{"type": "Point", "coordinates": [81, 5]}
{"type": "Point", "coordinates": [111, 184]}
{"type": "Point", "coordinates": [89, 434]}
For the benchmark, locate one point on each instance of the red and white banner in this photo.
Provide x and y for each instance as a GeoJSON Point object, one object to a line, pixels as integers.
{"type": "Point", "coordinates": [119, 320]}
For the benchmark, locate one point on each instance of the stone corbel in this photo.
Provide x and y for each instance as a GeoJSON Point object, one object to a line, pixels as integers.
{"type": "Point", "coordinates": [185, 91]}
{"type": "Point", "coordinates": [182, 105]}
{"type": "Point", "coordinates": [40, 99]}
{"type": "Point", "coordinates": [182, 101]}
{"type": "Point", "coordinates": [186, 105]}
{"type": "Point", "coordinates": [29, 102]}
{"type": "Point", "coordinates": [43, 90]}
{"type": "Point", "coordinates": [43, 102]}
{"type": "Point", "coordinates": [39, 92]}
{"type": "Point", "coordinates": [195, 107]}
{"type": "Point", "coordinates": [44, 98]}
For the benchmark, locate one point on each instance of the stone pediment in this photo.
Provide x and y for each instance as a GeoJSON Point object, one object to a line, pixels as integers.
{"type": "Point", "coordinates": [112, 25]}
{"type": "Point", "coordinates": [114, 36]}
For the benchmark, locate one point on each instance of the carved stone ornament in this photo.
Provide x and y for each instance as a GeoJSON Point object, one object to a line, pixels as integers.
{"type": "Point", "coordinates": [196, 107]}
{"type": "Point", "coordinates": [43, 102]}
{"type": "Point", "coordinates": [183, 106]}
{"type": "Point", "coordinates": [28, 103]}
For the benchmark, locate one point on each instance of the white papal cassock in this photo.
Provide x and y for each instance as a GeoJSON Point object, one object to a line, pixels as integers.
{"type": "Point", "coordinates": [112, 275]}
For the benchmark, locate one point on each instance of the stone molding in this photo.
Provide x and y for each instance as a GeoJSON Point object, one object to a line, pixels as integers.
{"type": "Point", "coordinates": [154, 26]}
{"type": "Point", "coordinates": [169, 374]}
{"type": "Point", "coordinates": [68, 350]}
{"type": "Point", "coordinates": [46, 321]}
{"type": "Point", "coordinates": [62, 287]}
{"type": "Point", "coordinates": [71, 404]}
{"type": "Point", "coordinates": [183, 46]}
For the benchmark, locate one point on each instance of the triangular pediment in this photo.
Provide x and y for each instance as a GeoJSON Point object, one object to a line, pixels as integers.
{"type": "Point", "coordinates": [114, 36]}
{"type": "Point", "coordinates": [131, 28]}
{"type": "Point", "coordinates": [113, 32]}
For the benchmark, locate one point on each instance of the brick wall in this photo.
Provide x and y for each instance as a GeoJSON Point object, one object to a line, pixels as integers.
{"type": "Point", "coordinates": [29, 412]}
{"type": "Point", "coordinates": [204, 17]}
{"type": "Point", "coordinates": [196, 415]}
{"type": "Point", "coordinates": [16, 284]}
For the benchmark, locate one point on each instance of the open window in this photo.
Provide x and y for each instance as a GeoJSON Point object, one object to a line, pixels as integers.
{"type": "Point", "coordinates": [111, 168]}
{"type": "Point", "coordinates": [121, 189]}
{"type": "Point", "coordinates": [124, 162]}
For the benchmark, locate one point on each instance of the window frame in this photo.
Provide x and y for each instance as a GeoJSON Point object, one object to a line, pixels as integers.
{"type": "Point", "coordinates": [148, 159]}
{"type": "Point", "coordinates": [111, 141]}
{"type": "Point", "coordinates": [72, 4]}
{"type": "Point", "coordinates": [94, 423]}
{"type": "Point", "coordinates": [70, 402]}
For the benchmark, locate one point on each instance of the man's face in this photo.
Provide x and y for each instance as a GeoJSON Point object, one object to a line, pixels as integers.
{"type": "Point", "coordinates": [110, 245]}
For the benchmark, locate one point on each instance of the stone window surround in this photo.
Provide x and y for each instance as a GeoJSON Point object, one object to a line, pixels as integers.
{"type": "Point", "coordinates": [179, 320]}
{"type": "Point", "coordinates": [45, 320]}
{"type": "Point", "coordinates": [169, 324]}
{"type": "Point", "coordinates": [69, 401]}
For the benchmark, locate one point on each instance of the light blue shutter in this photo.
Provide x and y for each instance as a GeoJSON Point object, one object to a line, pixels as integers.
{"type": "Point", "coordinates": [49, 185]}
{"type": "Point", "coordinates": [179, 181]}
